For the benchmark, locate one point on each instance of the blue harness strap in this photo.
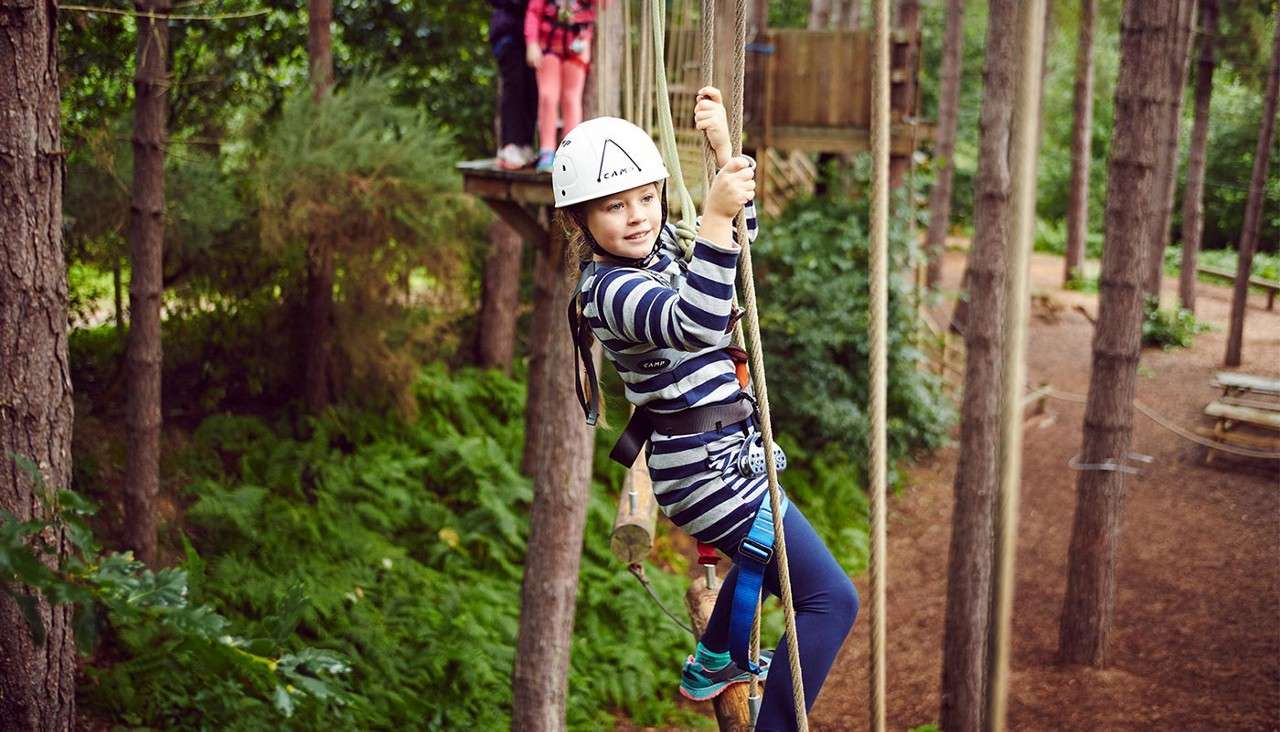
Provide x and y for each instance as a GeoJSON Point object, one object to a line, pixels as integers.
{"type": "Point", "coordinates": [754, 554]}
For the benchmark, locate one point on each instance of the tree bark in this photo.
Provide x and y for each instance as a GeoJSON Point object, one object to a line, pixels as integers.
{"type": "Point", "coordinates": [1081, 147]}
{"type": "Point", "coordinates": [964, 672]}
{"type": "Point", "coordinates": [1253, 208]}
{"type": "Point", "coordinates": [557, 518]}
{"type": "Point", "coordinates": [499, 298]}
{"type": "Point", "coordinates": [1193, 193]}
{"type": "Point", "coordinates": [1167, 160]}
{"type": "Point", "coordinates": [319, 317]}
{"type": "Point", "coordinates": [948, 98]}
{"type": "Point", "coordinates": [548, 280]}
{"type": "Point", "coordinates": [37, 683]}
{"type": "Point", "coordinates": [819, 14]}
{"type": "Point", "coordinates": [902, 96]}
{"type": "Point", "coordinates": [146, 287]}
{"type": "Point", "coordinates": [847, 15]}
{"type": "Point", "coordinates": [1142, 85]}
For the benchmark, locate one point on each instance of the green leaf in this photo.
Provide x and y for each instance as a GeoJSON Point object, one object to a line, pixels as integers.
{"type": "Point", "coordinates": [282, 701]}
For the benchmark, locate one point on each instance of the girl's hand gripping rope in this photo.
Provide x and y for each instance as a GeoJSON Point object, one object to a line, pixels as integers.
{"type": "Point", "coordinates": [709, 116]}
{"type": "Point", "coordinates": [731, 189]}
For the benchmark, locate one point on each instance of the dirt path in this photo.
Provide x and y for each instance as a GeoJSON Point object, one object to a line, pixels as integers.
{"type": "Point", "coordinates": [1197, 627]}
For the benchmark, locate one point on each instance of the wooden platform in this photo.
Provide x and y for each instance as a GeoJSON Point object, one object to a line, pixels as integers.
{"type": "Point", "coordinates": [522, 198]}
{"type": "Point", "coordinates": [1271, 287]}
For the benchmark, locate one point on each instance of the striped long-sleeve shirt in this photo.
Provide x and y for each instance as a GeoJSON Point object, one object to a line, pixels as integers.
{"type": "Point", "coordinates": [632, 312]}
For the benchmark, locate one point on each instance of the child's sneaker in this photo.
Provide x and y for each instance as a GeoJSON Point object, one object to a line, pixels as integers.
{"type": "Point", "coordinates": [700, 684]}
{"type": "Point", "coordinates": [546, 158]}
{"type": "Point", "coordinates": [511, 157]}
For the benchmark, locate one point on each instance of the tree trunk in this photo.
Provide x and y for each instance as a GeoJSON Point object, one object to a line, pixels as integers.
{"type": "Point", "coordinates": [499, 298]}
{"type": "Point", "coordinates": [819, 14]}
{"type": "Point", "coordinates": [1167, 160]}
{"type": "Point", "coordinates": [1253, 209]}
{"type": "Point", "coordinates": [1193, 193]}
{"type": "Point", "coordinates": [557, 518]}
{"type": "Point", "coordinates": [146, 251]}
{"type": "Point", "coordinates": [1081, 147]}
{"type": "Point", "coordinates": [319, 318]}
{"type": "Point", "coordinates": [1146, 30]}
{"type": "Point", "coordinates": [902, 95]}
{"type": "Point", "coordinates": [940, 196]}
{"type": "Point", "coordinates": [548, 280]}
{"type": "Point", "coordinates": [37, 683]}
{"type": "Point", "coordinates": [847, 15]}
{"type": "Point", "coordinates": [964, 671]}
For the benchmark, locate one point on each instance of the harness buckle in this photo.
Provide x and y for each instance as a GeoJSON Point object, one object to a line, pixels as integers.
{"type": "Point", "coordinates": [755, 550]}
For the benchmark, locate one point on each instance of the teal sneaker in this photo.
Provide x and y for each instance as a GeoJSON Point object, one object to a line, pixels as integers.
{"type": "Point", "coordinates": [699, 684]}
{"type": "Point", "coordinates": [546, 159]}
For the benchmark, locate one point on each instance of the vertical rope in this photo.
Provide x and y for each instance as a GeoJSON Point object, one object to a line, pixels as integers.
{"type": "Point", "coordinates": [758, 376]}
{"type": "Point", "coordinates": [1023, 171]}
{"type": "Point", "coordinates": [878, 328]}
{"type": "Point", "coordinates": [708, 78]}
{"type": "Point", "coordinates": [666, 129]}
{"type": "Point", "coordinates": [646, 71]}
{"type": "Point", "coordinates": [628, 67]}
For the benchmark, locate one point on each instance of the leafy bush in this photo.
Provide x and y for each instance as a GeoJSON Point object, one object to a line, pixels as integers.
{"type": "Point", "coordinates": [408, 540]}
{"type": "Point", "coordinates": [1175, 328]}
{"type": "Point", "coordinates": [811, 268]}
{"type": "Point", "coordinates": [170, 656]}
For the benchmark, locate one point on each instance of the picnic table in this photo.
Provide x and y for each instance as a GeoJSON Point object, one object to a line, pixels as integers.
{"type": "Point", "coordinates": [1247, 413]}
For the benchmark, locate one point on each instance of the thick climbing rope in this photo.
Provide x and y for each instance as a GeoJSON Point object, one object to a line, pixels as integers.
{"type": "Point", "coordinates": [879, 276]}
{"type": "Point", "coordinates": [628, 72]}
{"type": "Point", "coordinates": [1023, 172]}
{"type": "Point", "coordinates": [758, 374]}
{"type": "Point", "coordinates": [666, 129]}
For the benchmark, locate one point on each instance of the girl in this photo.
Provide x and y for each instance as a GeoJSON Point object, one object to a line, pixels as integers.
{"type": "Point", "coordinates": [558, 47]}
{"type": "Point", "coordinates": [665, 326]}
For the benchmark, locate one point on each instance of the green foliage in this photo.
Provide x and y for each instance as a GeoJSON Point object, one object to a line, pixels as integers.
{"type": "Point", "coordinates": [172, 656]}
{"type": "Point", "coordinates": [408, 540]}
{"type": "Point", "coordinates": [1175, 328]}
{"type": "Point", "coordinates": [1051, 238]}
{"type": "Point", "coordinates": [373, 182]}
{"type": "Point", "coordinates": [811, 268]}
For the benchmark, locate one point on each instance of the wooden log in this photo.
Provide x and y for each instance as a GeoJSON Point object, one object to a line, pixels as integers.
{"type": "Point", "coordinates": [733, 713]}
{"type": "Point", "coordinates": [633, 529]}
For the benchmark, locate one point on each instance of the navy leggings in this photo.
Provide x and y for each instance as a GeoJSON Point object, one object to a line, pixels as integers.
{"type": "Point", "coordinates": [826, 604]}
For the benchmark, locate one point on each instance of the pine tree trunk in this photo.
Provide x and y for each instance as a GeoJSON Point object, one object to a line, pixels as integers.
{"type": "Point", "coordinates": [1167, 160]}
{"type": "Point", "coordinates": [557, 518]}
{"type": "Point", "coordinates": [847, 15]}
{"type": "Point", "coordinates": [948, 99]}
{"type": "Point", "coordinates": [964, 671]}
{"type": "Point", "coordinates": [319, 317]}
{"type": "Point", "coordinates": [146, 251]}
{"type": "Point", "coordinates": [902, 95]}
{"type": "Point", "coordinates": [1146, 30]}
{"type": "Point", "coordinates": [819, 14]}
{"type": "Point", "coordinates": [499, 298]}
{"type": "Point", "coordinates": [1253, 208]}
{"type": "Point", "coordinates": [1081, 147]}
{"type": "Point", "coordinates": [37, 683]}
{"type": "Point", "coordinates": [1193, 193]}
{"type": "Point", "coordinates": [548, 279]}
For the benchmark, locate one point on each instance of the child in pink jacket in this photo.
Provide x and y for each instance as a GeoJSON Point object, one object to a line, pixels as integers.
{"type": "Point", "coordinates": [558, 41]}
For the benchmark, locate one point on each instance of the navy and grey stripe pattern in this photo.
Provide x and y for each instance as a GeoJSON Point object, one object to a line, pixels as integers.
{"type": "Point", "coordinates": [635, 311]}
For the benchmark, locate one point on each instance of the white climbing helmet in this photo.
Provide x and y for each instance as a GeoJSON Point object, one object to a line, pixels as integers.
{"type": "Point", "coordinates": [603, 156]}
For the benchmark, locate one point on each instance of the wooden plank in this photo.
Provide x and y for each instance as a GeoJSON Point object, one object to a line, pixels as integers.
{"type": "Point", "coordinates": [1254, 403]}
{"type": "Point", "coordinates": [1247, 382]}
{"type": "Point", "coordinates": [1243, 439]}
{"type": "Point", "coordinates": [1246, 415]}
{"type": "Point", "coordinates": [1229, 275]}
{"type": "Point", "coordinates": [732, 710]}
